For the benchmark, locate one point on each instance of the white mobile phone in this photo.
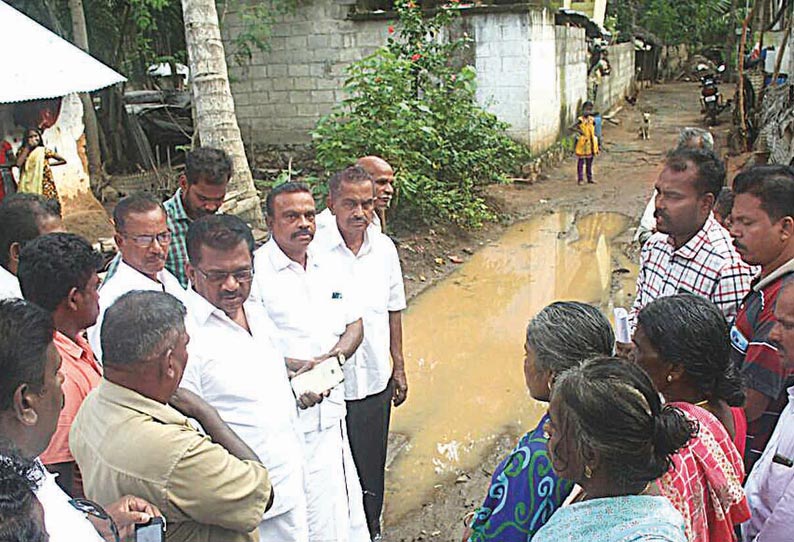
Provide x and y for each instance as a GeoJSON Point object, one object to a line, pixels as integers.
{"type": "Point", "coordinates": [622, 334]}
{"type": "Point", "coordinates": [324, 376]}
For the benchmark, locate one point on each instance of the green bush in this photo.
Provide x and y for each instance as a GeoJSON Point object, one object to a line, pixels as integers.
{"type": "Point", "coordinates": [409, 103]}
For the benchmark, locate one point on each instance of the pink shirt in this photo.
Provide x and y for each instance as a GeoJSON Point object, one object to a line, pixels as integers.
{"type": "Point", "coordinates": [81, 374]}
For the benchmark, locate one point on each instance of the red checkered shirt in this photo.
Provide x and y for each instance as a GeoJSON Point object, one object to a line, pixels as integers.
{"type": "Point", "coordinates": [707, 265]}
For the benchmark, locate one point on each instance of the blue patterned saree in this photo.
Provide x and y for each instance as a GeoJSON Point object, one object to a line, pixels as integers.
{"type": "Point", "coordinates": [524, 493]}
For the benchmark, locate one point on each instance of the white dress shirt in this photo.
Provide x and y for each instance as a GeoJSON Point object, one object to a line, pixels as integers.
{"type": "Point", "coordinates": [378, 279]}
{"type": "Point", "coordinates": [63, 522]}
{"type": "Point", "coordinates": [770, 486]}
{"type": "Point", "coordinates": [9, 285]}
{"type": "Point", "coordinates": [127, 279]}
{"type": "Point", "coordinates": [311, 308]}
{"type": "Point", "coordinates": [244, 377]}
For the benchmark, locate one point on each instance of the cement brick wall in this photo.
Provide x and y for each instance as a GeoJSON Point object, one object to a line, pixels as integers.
{"type": "Point", "coordinates": [282, 94]}
{"type": "Point", "coordinates": [617, 84]}
{"type": "Point", "coordinates": [572, 57]}
{"type": "Point", "coordinates": [501, 58]}
{"type": "Point", "coordinates": [530, 73]}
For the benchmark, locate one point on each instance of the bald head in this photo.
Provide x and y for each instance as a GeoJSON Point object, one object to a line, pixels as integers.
{"type": "Point", "coordinates": [383, 176]}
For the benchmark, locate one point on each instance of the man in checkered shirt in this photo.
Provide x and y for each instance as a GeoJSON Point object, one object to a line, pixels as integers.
{"type": "Point", "coordinates": [202, 189]}
{"type": "Point", "coordinates": [691, 252]}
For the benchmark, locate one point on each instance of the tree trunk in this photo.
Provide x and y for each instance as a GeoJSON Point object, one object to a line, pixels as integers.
{"type": "Point", "coordinates": [92, 148]}
{"type": "Point", "coordinates": [215, 120]}
{"type": "Point", "coordinates": [730, 45]}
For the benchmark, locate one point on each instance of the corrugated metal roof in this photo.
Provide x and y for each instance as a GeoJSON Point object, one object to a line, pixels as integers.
{"type": "Point", "coordinates": [48, 66]}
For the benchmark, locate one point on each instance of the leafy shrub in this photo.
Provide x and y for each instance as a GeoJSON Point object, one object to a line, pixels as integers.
{"type": "Point", "coordinates": [411, 104]}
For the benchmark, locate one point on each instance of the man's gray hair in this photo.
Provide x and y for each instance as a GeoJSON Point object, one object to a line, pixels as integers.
{"type": "Point", "coordinates": [138, 324]}
{"type": "Point", "coordinates": [566, 333]}
{"type": "Point", "coordinates": [695, 138]}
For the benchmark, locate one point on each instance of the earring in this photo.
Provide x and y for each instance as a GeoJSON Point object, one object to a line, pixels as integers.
{"type": "Point", "coordinates": [669, 378]}
{"type": "Point", "coordinates": [588, 472]}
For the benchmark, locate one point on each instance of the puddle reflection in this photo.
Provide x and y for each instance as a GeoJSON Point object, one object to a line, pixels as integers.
{"type": "Point", "coordinates": [464, 343]}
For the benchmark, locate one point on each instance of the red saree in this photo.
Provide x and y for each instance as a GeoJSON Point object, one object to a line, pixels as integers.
{"type": "Point", "coordinates": [705, 483]}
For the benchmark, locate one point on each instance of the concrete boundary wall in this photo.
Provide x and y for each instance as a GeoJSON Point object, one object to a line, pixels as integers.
{"type": "Point", "coordinates": [530, 72]}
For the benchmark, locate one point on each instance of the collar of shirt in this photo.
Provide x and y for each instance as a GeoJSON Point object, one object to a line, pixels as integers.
{"type": "Point", "coordinates": [693, 246]}
{"type": "Point", "coordinates": [9, 285]}
{"type": "Point", "coordinates": [331, 239]}
{"type": "Point", "coordinates": [201, 310]}
{"type": "Point", "coordinates": [127, 398]}
{"type": "Point", "coordinates": [280, 261]}
{"type": "Point", "coordinates": [761, 283]}
{"type": "Point", "coordinates": [176, 207]}
{"type": "Point", "coordinates": [132, 278]}
{"type": "Point", "coordinates": [78, 349]}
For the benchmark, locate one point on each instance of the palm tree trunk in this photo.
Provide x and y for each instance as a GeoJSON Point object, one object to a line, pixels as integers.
{"type": "Point", "coordinates": [92, 148]}
{"type": "Point", "coordinates": [215, 120]}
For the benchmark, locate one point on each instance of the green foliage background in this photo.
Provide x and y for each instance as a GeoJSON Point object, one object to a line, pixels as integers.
{"type": "Point", "coordinates": [409, 103]}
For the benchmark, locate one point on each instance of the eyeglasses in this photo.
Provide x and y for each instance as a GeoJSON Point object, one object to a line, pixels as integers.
{"type": "Point", "coordinates": [93, 509]}
{"type": "Point", "coordinates": [241, 275]}
{"type": "Point", "coordinates": [143, 241]}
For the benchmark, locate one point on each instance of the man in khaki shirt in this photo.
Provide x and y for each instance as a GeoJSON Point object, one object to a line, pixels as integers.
{"type": "Point", "coordinates": [132, 433]}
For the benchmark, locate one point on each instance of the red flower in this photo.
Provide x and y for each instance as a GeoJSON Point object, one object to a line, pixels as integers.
{"type": "Point", "coordinates": [415, 57]}
{"type": "Point", "coordinates": [391, 30]}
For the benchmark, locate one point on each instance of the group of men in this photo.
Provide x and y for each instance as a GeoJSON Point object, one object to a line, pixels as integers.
{"type": "Point", "coordinates": [745, 267]}
{"type": "Point", "coordinates": [174, 374]}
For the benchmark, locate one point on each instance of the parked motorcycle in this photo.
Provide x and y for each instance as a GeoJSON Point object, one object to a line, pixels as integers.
{"type": "Point", "coordinates": [712, 102]}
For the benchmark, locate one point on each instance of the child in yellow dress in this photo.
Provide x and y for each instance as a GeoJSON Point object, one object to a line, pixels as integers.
{"type": "Point", "coordinates": [586, 143]}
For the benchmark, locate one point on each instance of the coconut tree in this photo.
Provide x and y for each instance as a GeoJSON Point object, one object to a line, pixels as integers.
{"type": "Point", "coordinates": [215, 120]}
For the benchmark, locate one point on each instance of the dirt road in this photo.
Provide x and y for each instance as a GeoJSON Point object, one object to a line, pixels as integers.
{"type": "Point", "coordinates": [576, 244]}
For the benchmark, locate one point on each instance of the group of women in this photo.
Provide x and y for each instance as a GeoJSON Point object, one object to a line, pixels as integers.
{"type": "Point", "coordinates": [641, 449]}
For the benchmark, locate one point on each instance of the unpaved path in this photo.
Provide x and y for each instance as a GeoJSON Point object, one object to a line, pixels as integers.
{"type": "Point", "coordinates": [625, 172]}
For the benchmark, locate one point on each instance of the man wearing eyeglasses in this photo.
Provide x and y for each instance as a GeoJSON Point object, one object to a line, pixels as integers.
{"type": "Point", "coordinates": [235, 365]}
{"type": "Point", "coordinates": [316, 318]}
{"type": "Point", "coordinates": [143, 238]}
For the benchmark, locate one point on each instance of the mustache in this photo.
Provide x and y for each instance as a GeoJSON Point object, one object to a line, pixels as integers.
{"type": "Point", "coordinates": [304, 231]}
{"type": "Point", "coordinates": [660, 214]}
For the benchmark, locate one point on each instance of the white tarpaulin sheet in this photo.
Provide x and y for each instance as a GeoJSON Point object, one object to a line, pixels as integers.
{"type": "Point", "coordinates": [48, 66]}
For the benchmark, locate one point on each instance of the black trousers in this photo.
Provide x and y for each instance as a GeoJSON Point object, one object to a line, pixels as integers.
{"type": "Point", "coordinates": [368, 432]}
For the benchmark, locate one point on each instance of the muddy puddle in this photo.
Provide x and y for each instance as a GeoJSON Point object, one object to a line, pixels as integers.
{"type": "Point", "coordinates": [464, 344]}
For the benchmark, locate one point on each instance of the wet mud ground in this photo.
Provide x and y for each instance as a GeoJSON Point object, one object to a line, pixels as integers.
{"type": "Point", "coordinates": [464, 327]}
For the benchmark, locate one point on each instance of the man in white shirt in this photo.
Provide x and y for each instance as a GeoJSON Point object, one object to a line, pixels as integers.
{"type": "Point", "coordinates": [23, 217]}
{"type": "Point", "coordinates": [235, 366]}
{"type": "Point", "coordinates": [310, 304]}
{"type": "Point", "coordinates": [143, 237]}
{"type": "Point", "coordinates": [30, 403]}
{"type": "Point", "coordinates": [371, 383]}
{"type": "Point", "coordinates": [770, 485]}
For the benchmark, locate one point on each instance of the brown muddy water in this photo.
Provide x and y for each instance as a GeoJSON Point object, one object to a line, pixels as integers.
{"type": "Point", "coordinates": [464, 342]}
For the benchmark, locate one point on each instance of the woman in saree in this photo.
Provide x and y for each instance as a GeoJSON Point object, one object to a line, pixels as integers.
{"type": "Point", "coordinates": [34, 161]}
{"type": "Point", "coordinates": [524, 490]}
{"type": "Point", "coordinates": [610, 433]}
{"type": "Point", "coordinates": [682, 342]}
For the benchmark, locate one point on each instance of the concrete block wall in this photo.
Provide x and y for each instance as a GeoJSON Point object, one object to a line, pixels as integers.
{"type": "Point", "coordinates": [501, 58]}
{"type": "Point", "coordinates": [530, 73]}
{"type": "Point", "coordinates": [572, 58]}
{"type": "Point", "coordinates": [617, 84]}
{"type": "Point", "coordinates": [282, 94]}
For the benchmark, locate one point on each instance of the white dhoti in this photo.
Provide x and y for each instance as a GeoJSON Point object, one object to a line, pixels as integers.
{"type": "Point", "coordinates": [291, 526]}
{"type": "Point", "coordinates": [333, 491]}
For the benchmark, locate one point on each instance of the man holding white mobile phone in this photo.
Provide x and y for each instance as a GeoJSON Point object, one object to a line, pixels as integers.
{"type": "Point", "coordinates": [236, 367]}
{"type": "Point", "coordinates": [311, 305]}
